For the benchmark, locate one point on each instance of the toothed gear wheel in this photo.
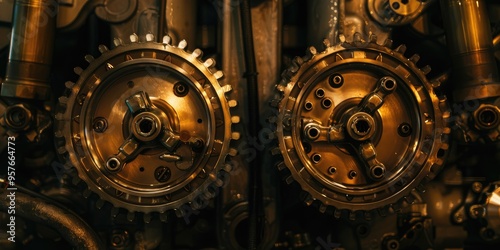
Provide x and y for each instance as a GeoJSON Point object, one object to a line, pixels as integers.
{"type": "Point", "coordinates": [148, 126]}
{"type": "Point", "coordinates": [359, 126]}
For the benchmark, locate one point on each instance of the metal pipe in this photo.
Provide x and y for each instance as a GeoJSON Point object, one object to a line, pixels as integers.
{"type": "Point", "coordinates": [31, 47]}
{"type": "Point", "coordinates": [181, 21]}
{"type": "Point", "coordinates": [470, 44]}
{"type": "Point", "coordinates": [324, 22]}
{"type": "Point", "coordinates": [71, 227]}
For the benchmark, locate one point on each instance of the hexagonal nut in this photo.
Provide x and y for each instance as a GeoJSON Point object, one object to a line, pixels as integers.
{"type": "Point", "coordinates": [486, 117]}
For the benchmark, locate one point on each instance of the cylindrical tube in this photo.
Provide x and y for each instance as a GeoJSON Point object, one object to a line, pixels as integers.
{"type": "Point", "coordinates": [181, 21]}
{"type": "Point", "coordinates": [71, 227]}
{"type": "Point", "coordinates": [470, 44]}
{"type": "Point", "coordinates": [31, 47]}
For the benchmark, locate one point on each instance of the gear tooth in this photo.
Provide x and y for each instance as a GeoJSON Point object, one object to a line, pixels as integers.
{"type": "Point", "coordinates": [99, 204]}
{"type": "Point", "coordinates": [117, 42]}
{"type": "Point", "coordinates": [387, 43]}
{"type": "Point", "coordinates": [281, 166]}
{"type": "Point", "coordinates": [235, 119]}
{"type": "Point", "coordinates": [401, 49]}
{"type": "Point", "coordinates": [390, 209]}
{"type": "Point", "coordinates": [134, 38]}
{"type": "Point", "coordinates": [131, 216]}
{"type": "Point", "coordinates": [78, 70]}
{"type": "Point", "coordinates": [383, 211]}
{"type": "Point", "coordinates": [150, 37]}
{"type": "Point", "coordinates": [322, 208]}
{"type": "Point", "coordinates": [58, 134]}
{"type": "Point", "coordinates": [166, 40]}
{"type": "Point", "coordinates": [147, 218]}
{"type": "Point", "coordinates": [414, 58]}
{"type": "Point", "coordinates": [232, 152]}
{"type": "Point", "coordinates": [311, 51]}
{"type": "Point", "coordinates": [114, 212]}
{"type": "Point", "coordinates": [435, 84]}
{"type": "Point", "coordinates": [197, 53]}
{"type": "Point", "coordinates": [209, 63]}
{"type": "Point", "coordinates": [356, 37]}
{"type": "Point", "coordinates": [308, 200]}
{"type": "Point", "coordinates": [235, 135]}
{"type": "Point", "coordinates": [227, 88]}
{"type": "Point", "coordinates": [337, 213]}
{"type": "Point", "coordinates": [218, 75]}
{"type": "Point", "coordinates": [63, 100]}
{"type": "Point", "coordinates": [102, 48]}
{"type": "Point", "coordinates": [182, 44]}
{"type": "Point", "coordinates": [89, 58]}
{"type": "Point", "coordinates": [61, 150]}
{"type": "Point", "coordinates": [342, 38]}
{"type": "Point", "coordinates": [232, 103]}
{"type": "Point", "coordinates": [426, 69]}
{"type": "Point", "coordinates": [420, 188]}
{"type": "Point", "coordinates": [367, 215]}
{"type": "Point", "coordinates": [69, 84]}
{"type": "Point", "coordinates": [298, 60]}
{"type": "Point", "coordinates": [179, 212]}
{"type": "Point", "coordinates": [163, 217]}
{"type": "Point", "coordinates": [275, 151]}
{"type": "Point", "coordinates": [289, 180]}
{"type": "Point", "coordinates": [352, 216]}
{"type": "Point", "coordinates": [326, 43]}
{"type": "Point", "coordinates": [227, 167]}
{"type": "Point", "coordinates": [373, 38]}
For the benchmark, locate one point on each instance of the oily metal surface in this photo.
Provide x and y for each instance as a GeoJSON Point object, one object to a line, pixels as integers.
{"type": "Point", "coordinates": [337, 91]}
{"type": "Point", "coordinates": [148, 126]}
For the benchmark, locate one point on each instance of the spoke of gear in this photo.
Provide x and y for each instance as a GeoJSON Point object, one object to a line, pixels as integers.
{"type": "Point", "coordinates": [148, 126]}
{"type": "Point", "coordinates": [343, 115]}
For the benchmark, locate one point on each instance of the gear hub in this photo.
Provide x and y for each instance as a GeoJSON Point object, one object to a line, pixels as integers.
{"type": "Point", "coordinates": [359, 126]}
{"type": "Point", "coordinates": [148, 126]}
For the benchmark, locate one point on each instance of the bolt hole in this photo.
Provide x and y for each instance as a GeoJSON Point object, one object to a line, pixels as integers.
{"type": "Point", "coordinates": [378, 171]}
{"type": "Point", "coordinates": [336, 81]}
{"type": "Point", "coordinates": [326, 103]}
{"type": "Point", "coordinates": [332, 170]}
{"type": "Point", "coordinates": [141, 169]}
{"type": "Point", "coordinates": [199, 120]}
{"type": "Point", "coordinates": [488, 117]}
{"type": "Point", "coordinates": [395, 5]}
{"type": "Point", "coordinates": [320, 93]}
{"type": "Point", "coordinates": [181, 89]}
{"type": "Point", "coordinates": [316, 158]}
{"type": "Point", "coordinates": [352, 174]}
{"type": "Point", "coordinates": [405, 1]}
{"type": "Point", "coordinates": [113, 164]}
{"type": "Point", "coordinates": [130, 84]}
{"type": "Point", "coordinates": [404, 129]}
{"type": "Point", "coordinates": [308, 105]}
{"type": "Point", "coordinates": [146, 126]}
{"type": "Point", "coordinates": [313, 133]}
{"type": "Point", "coordinates": [362, 126]}
{"type": "Point", "coordinates": [389, 84]}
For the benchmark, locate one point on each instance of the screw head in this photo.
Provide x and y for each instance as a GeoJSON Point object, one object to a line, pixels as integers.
{"type": "Point", "coordinates": [162, 174]}
{"type": "Point", "coordinates": [100, 124]}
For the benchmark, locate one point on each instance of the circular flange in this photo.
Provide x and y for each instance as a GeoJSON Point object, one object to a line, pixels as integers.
{"type": "Point", "coordinates": [134, 140]}
{"type": "Point", "coordinates": [350, 155]}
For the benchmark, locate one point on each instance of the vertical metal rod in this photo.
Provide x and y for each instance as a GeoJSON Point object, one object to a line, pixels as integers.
{"type": "Point", "coordinates": [31, 47]}
{"type": "Point", "coordinates": [470, 44]}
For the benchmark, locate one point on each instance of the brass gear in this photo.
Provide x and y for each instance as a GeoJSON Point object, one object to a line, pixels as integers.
{"type": "Point", "coordinates": [148, 126]}
{"type": "Point", "coordinates": [359, 127]}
